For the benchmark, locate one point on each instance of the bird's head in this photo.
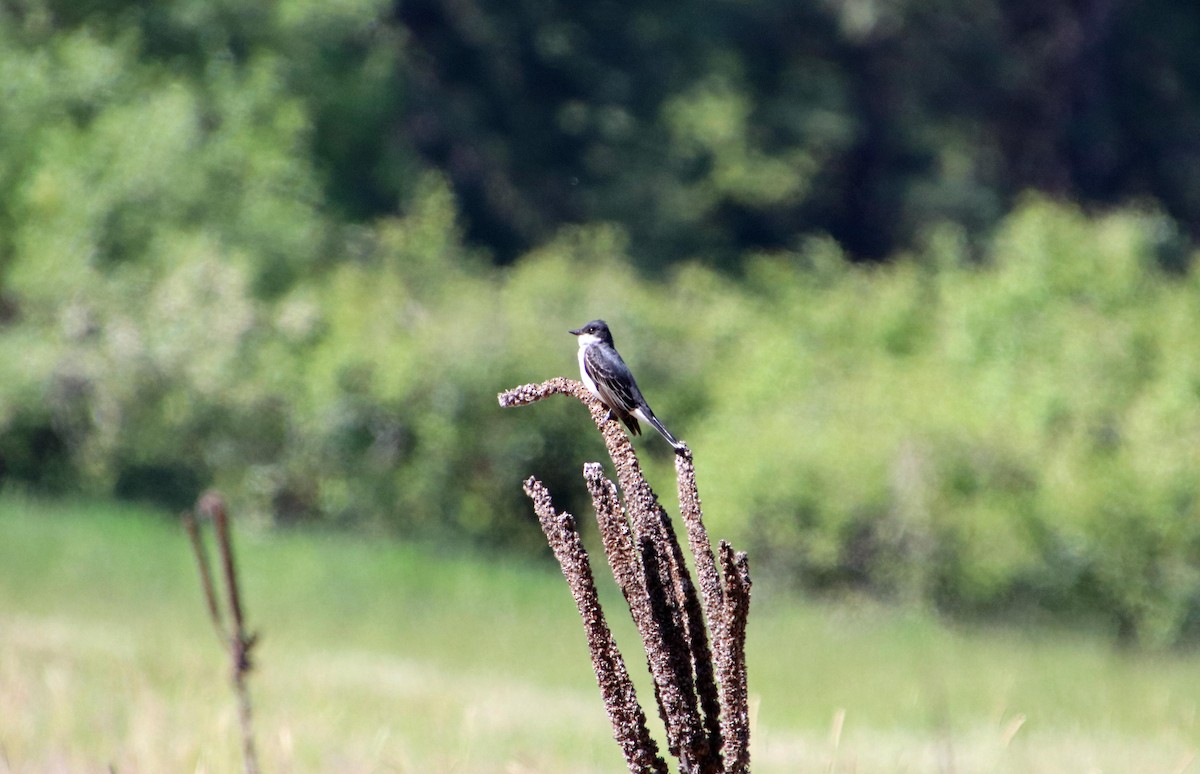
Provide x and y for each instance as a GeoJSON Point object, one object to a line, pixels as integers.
{"type": "Point", "coordinates": [594, 332]}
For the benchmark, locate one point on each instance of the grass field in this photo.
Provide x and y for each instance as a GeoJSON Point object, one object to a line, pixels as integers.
{"type": "Point", "coordinates": [378, 656]}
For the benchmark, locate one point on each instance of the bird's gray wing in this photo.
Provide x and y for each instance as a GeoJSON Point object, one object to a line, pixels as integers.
{"type": "Point", "coordinates": [615, 383]}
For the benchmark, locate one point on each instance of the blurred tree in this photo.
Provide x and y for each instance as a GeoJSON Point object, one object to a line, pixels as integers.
{"type": "Point", "coordinates": [707, 130]}
{"type": "Point", "coordinates": [239, 243]}
{"type": "Point", "coordinates": [870, 122]}
{"type": "Point", "coordinates": [544, 113]}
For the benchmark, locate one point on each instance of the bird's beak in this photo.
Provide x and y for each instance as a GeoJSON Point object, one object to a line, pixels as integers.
{"type": "Point", "coordinates": [576, 332]}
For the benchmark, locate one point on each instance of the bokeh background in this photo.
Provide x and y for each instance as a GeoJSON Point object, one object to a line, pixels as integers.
{"type": "Point", "coordinates": [915, 280]}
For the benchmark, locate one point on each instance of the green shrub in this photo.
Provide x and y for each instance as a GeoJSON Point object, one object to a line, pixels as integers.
{"type": "Point", "coordinates": [179, 307]}
{"type": "Point", "coordinates": [1022, 433]}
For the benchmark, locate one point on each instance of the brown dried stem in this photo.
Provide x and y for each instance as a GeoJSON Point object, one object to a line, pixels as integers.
{"type": "Point", "coordinates": [620, 697]}
{"type": "Point", "coordinates": [705, 728]}
{"type": "Point", "coordinates": [645, 594]}
{"type": "Point", "coordinates": [731, 661]}
{"type": "Point", "coordinates": [206, 583]}
{"type": "Point", "coordinates": [239, 641]}
{"type": "Point", "coordinates": [710, 589]}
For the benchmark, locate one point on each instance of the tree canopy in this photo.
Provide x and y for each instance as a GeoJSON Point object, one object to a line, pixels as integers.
{"type": "Point", "coordinates": [704, 129]}
{"type": "Point", "coordinates": [914, 279]}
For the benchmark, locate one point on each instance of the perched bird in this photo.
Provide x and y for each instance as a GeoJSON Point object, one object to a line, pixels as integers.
{"type": "Point", "coordinates": [609, 379]}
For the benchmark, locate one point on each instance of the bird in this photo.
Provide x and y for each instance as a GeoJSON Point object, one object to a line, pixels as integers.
{"type": "Point", "coordinates": [607, 377]}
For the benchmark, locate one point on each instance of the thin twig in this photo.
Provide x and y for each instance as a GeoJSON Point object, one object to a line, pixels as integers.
{"type": "Point", "coordinates": [206, 582]}
{"type": "Point", "coordinates": [240, 642]}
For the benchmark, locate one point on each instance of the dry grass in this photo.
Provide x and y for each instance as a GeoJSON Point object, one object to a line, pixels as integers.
{"type": "Point", "coordinates": [86, 697]}
{"type": "Point", "coordinates": [373, 659]}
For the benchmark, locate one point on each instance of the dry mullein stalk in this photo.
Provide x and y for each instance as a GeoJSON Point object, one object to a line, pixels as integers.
{"type": "Point", "coordinates": [731, 661]}
{"type": "Point", "coordinates": [707, 729]}
{"type": "Point", "coordinates": [726, 609]}
{"type": "Point", "coordinates": [620, 697]}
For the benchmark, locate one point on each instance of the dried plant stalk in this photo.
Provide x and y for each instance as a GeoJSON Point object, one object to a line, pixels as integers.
{"type": "Point", "coordinates": [238, 641]}
{"type": "Point", "coordinates": [210, 595]}
{"type": "Point", "coordinates": [707, 729]}
{"type": "Point", "coordinates": [710, 589]}
{"type": "Point", "coordinates": [646, 594]}
{"type": "Point", "coordinates": [620, 697]}
{"type": "Point", "coordinates": [731, 661]}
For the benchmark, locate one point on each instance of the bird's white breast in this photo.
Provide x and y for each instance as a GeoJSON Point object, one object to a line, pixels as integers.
{"type": "Point", "coordinates": [583, 374]}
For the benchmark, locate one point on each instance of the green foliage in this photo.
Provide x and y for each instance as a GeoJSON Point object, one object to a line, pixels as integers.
{"type": "Point", "coordinates": [711, 129]}
{"type": "Point", "coordinates": [150, 216]}
{"type": "Point", "coordinates": [976, 437]}
{"type": "Point", "coordinates": [985, 424]}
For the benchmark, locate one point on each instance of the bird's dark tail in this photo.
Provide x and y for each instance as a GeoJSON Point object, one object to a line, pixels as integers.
{"type": "Point", "coordinates": [665, 432]}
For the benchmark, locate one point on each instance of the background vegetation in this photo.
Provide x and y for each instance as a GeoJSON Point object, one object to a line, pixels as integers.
{"type": "Point", "coordinates": [384, 656]}
{"type": "Point", "coordinates": [915, 282]}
